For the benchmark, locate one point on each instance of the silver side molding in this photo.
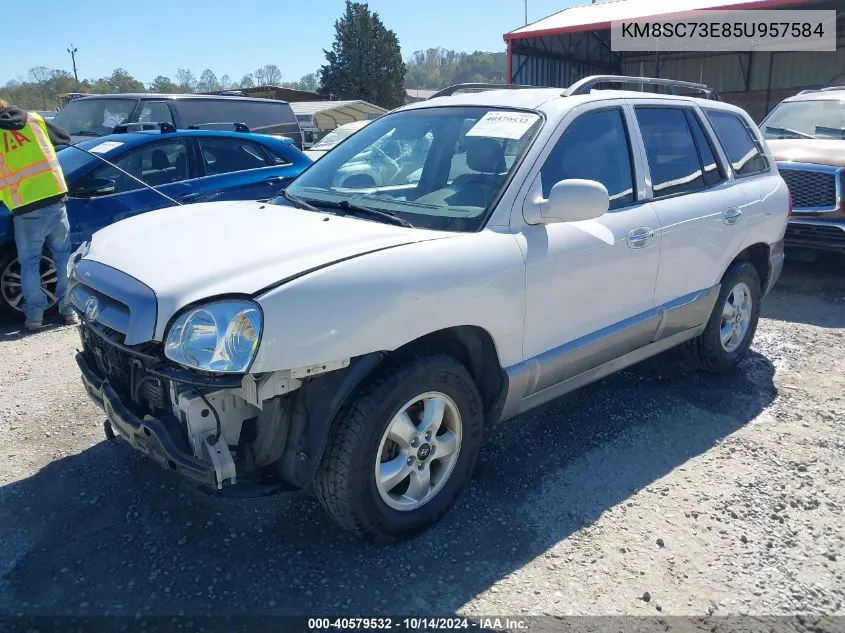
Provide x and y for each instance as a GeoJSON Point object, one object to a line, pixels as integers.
{"type": "Point", "coordinates": [558, 371]}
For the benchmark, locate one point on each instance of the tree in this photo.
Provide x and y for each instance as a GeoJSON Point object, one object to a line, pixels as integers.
{"type": "Point", "coordinates": [163, 84]}
{"type": "Point", "coordinates": [438, 68]}
{"type": "Point", "coordinates": [185, 80]}
{"type": "Point", "coordinates": [311, 82]}
{"type": "Point", "coordinates": [41, 76]}
{"type": "Point", "coordinates": [208, 82]}
{"type": "Point", "coordinates": [121, 81]}
{"type": "Point", "coordinates": [247, 81]}
{"type": "Point", "coordinates": [225, 82]}
{"type": "Point", "coordinates": [365, 61]}
{"type": "Point", "coordinates": [269, 75]}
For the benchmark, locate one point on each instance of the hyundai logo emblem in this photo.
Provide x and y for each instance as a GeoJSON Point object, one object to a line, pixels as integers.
{"type": "Point", "coordinates": [92, 308]}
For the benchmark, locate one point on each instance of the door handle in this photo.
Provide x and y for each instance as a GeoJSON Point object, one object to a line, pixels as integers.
{"type": "Point", "coordinates": [276, 181]}
{"type": "Point", "coordinates": [732, 215]}
{"type": "Point", "coordinates": [640, 237]}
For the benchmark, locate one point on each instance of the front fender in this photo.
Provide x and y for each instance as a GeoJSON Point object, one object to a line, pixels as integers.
{"type": "Point", "coordinates": [383, 300]}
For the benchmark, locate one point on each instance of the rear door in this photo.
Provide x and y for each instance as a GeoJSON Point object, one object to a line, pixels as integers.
{"type": "Point", "coordinates": [233, 168]}
{"type": "Point", "coordinates": [697, 202]}
{"type": "Point", "coordinates": [106, 195]}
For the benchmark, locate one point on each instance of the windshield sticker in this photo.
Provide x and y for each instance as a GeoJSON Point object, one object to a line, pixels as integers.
{"type": "Point", "coordinates": [105, 146]}
{"type": "Point", "coordinates": [503, 124]}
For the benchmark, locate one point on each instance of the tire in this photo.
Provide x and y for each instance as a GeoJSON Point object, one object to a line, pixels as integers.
{"type": "Point", "coordinates": [11, 303]}
{"type": "Point", "coordinates": [360, 446]}
{"type": "Point", "coordinates": [707, 351]}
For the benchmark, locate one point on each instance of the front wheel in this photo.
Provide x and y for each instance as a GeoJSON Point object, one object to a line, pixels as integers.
{"type": "Point", "coordinates": [402, 449]}
{"type": "Point", "coordinates": [733, 322]}
{"type": "Point", "coordinates": [11, 296]}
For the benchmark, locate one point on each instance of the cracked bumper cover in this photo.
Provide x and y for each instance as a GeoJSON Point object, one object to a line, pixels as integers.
{"type": "Point", "coordinates": [149, 435]}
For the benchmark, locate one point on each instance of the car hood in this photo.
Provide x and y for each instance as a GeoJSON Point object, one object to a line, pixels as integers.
{"type": "Point", "coordinates": [189, 253]}
{"type": "Point", "coordinates": [816, 151]}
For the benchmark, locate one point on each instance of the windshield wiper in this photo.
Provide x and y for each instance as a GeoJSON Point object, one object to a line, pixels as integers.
{"type": "Point", "coordinates": [830, 130]}
{"type": "Point", "coordinates": [298, 202]}
{"type": "Point", "coordinates": [378, 214]}
{"type": "Point", "coordinates": [790, 131]}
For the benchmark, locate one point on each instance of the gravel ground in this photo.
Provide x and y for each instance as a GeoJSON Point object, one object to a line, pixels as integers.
{"type": "Point", "coordinates": [655, 490]}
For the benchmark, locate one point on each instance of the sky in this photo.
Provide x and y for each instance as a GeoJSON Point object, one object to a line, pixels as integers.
{"type": "Point", "coordinates": [157, 37]}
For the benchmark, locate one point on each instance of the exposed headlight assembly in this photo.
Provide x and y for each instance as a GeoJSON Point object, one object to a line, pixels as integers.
{"type": "Point", "coordinates": [221, 336]}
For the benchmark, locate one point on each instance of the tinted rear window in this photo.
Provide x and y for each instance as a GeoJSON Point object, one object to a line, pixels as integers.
{"type": "Point", "coordinates": [259, 116]}
{"type": "Point", "coordinates": [743, 149]}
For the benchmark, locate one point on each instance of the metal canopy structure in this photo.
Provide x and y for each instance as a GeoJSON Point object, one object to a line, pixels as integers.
{"type": "Point", "coordinates": [575, 43]}
{"type": "Point", "coordinates": [327, 115]}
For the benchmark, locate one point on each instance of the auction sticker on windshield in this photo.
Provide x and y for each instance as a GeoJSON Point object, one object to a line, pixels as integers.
{"type": "Point", "coordinates": [105, 146]}
{"type": "Point", "coordinates": [503, 124]}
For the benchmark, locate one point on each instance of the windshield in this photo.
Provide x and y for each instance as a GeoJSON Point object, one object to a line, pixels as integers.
{"type": "Point", "coordinates": [334, 137]}
{"type": "Point", "coordinates": [806, 119]}
{"type": "Point", "coordinates": [439, 168]}
{"type": "Point", "coordinates": [94, 117]}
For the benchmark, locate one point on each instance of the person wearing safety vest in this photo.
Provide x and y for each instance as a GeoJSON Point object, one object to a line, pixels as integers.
{"type": "Point", "coordinates": [33, 188]}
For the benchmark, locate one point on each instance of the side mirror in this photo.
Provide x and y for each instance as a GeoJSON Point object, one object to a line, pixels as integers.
{"type": "Point", "coordinates": [569, 201]}
{"type": "Point", "coordinates": [97, 187]}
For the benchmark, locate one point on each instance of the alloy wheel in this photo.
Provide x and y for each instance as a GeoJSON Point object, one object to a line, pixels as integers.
{"type": "Point", "coordinates": [10, 283]}
{"type": "Point", "coordinates": [736, 317]}
{"type": "Point", "coordinates": [418, 451]}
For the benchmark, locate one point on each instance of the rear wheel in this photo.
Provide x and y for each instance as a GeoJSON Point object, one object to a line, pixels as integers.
{"type": "Point", "coordinates": [11, 297]}
{"type": "Point", "coordinates": [402, 449]}
{"type": "Point", "coordinates": [733, 322]}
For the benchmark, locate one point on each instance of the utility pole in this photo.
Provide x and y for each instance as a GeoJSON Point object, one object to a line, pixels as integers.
{"type": "Point", "coordinates": [72, 52]}
{"type": "Point", "coordinates": [526, 11]}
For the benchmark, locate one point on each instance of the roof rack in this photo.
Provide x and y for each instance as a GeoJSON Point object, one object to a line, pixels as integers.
{"type": "Point", "coordinates": [583, 86]}
{"type": "Point", "coordinates": [238, 127]}
{"type": "Point", "coordinates": [446, 92]}
{"type": "Point", "coordinates": [825, 89]}
{"type": "Point", "coordinates": [164, 127]}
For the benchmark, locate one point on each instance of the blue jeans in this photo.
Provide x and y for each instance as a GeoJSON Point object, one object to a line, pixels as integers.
{"type": "Point", "coordinates": [48, 226]}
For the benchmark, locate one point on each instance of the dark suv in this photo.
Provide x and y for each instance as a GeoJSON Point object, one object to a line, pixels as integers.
{"type": "Point", "coordinates": [807, 136]}
{"type": "Point", "coordinates": [97, 115]}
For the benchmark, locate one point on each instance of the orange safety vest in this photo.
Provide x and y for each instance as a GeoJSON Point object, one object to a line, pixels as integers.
{"type": "Point", "coordinates": [29, 168]}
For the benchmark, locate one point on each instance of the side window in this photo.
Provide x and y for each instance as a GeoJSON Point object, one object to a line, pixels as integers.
{"type": "Point", "coordinates": [594, 147]}
{"type": "Point", "coordinates": [713, 174]}
{"type": "Point", "coordinates": [279, 158]}
{"type": "Point", "coordinates": [259, 116]}
{"type": "Point", "coordinates": [742, 147]}
{"type": "Point", "coordinates": [226, 155]}
{"type": "Point", "coordinates": [671, 151]}
{"type": "Point", "coordinates": [156, 164]}
{"type": "Point", "coordinates": [155, 112]}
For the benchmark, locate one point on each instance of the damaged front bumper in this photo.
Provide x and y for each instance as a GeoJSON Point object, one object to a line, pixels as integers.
{"type": "Point", "coordinates": [160, 439]}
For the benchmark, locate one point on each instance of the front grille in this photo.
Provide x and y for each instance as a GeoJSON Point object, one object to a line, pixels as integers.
{"type": "Point", "coordinates": [812, 190]}
{"type": "Point", "coordinates": [815, 232]}
{"type": "Point", "coordinates": [126, 370]}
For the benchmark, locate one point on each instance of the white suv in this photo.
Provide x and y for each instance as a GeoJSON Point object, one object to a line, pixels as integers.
{"type": "Point", "coordinates": [360, 340]}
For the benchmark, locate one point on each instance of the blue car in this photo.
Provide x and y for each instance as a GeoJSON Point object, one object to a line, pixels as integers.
{"type": "Point", "coordinates": [186, 165]}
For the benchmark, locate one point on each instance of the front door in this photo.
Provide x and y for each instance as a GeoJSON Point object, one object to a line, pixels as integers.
{"type": "Point", "coordinates": [590, 284]}
{"type": "Point", "coordinates": [108, 195]}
